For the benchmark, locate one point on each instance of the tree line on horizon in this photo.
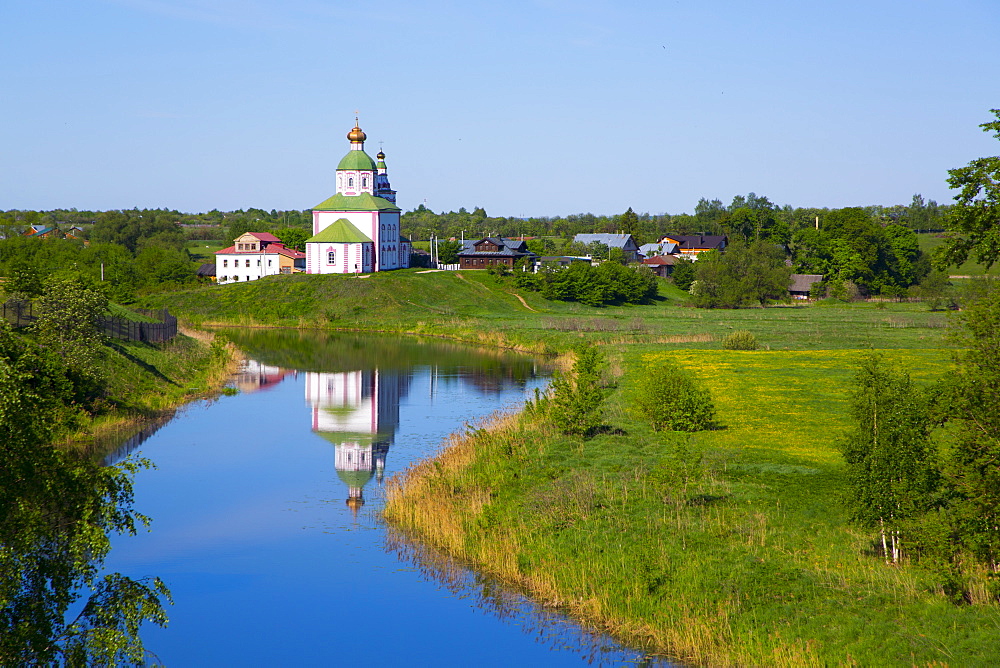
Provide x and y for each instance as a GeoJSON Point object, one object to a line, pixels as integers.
{"type": "Point", "coordinates": [872, 249]}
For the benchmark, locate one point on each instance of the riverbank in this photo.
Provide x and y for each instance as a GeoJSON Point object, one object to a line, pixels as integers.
{"type": "Point", "coordinates": [148, 381]}
{"type": "Point", "coordinates": [730, 547]}
{"type": "Point", "coordinates": [746, 558]}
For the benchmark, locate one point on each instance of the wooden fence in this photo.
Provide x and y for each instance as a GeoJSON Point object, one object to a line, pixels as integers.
{"type": "Point", "coordinates": [21, 314]}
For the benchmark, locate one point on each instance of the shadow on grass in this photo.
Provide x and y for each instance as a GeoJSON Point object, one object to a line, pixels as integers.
{"type": "Point", "coordinates": [141, 363]}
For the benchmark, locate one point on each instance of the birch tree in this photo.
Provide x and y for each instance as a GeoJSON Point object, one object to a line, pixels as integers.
{"type": "Point", "coordinates": [890, 462]}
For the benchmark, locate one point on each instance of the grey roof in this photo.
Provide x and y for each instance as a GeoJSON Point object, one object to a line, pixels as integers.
{"type": "Point", "coordinates": [623, 241]}
{"type": "Point", "coordinates": [802, 282]}
{"type": "Point", "coordinates": [649, 250]}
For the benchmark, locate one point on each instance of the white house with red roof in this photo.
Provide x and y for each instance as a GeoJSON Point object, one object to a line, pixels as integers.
{"type": "Point", "coordinates": [254, 255]}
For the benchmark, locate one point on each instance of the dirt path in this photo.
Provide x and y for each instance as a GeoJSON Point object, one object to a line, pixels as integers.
{"type": "Point", "coordinates": [523, 302]}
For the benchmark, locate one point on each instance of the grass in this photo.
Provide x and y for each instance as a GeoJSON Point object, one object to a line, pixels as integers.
{"type": "Point", "coordinates": [751, 564]}
{"type": "Point", "coordinates": [471, 306]}
{"type": "Point", "coordinates": [149, 380]}
{"type": "Point", "coordinates": [930, 241]}
{"type": "Point", "coordinates": [203, 250]}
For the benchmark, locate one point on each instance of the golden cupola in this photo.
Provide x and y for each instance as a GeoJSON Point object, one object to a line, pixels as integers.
{"type": "Point", "coordinates": [356, 135]}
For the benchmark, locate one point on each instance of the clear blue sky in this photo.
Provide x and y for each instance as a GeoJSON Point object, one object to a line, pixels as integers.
{"type": "Point", "coordinates": [526, 108]}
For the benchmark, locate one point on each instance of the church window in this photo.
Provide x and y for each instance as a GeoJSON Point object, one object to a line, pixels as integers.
{"type": "Point", "coordinates": [248, 262]}
{"type": "Point", "coordinates": [364, 181]}
{"type": "Point", "coordinates": [350, 182]}
{"type": "Point", "coordinates": [331, 257]}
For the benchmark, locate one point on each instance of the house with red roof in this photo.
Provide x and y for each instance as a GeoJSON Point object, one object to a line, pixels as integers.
{"type": "Point", "coordinates": [254, 255]}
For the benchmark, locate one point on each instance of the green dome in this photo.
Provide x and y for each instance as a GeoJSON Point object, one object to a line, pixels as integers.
{"type": "Point", "coordinates": [355, 478]}
{"type": "Point", "coordinates": [357, 160]}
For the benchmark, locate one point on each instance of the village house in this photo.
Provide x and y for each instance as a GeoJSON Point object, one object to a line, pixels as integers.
{"type": "Point", "coordinates": [662, 265]}
{"type": "Point", "coordinates": [490, 251]}
{"type": "Point", "coordinates": [652, 250]}
{"type": "Point", "coordinates": [693, 245]}
{"type": "Point", "coordinates": [254, 255]}
{"type": "Point", "coordinates": [625, 242]}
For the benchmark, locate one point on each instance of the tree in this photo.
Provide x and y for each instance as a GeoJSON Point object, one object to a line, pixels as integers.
{"type": "Point", "coordinates": [891, 471]}
{"type": "Point", "coordinates": [670, 398]}
{"type": "Point", "coordinates": [745, 275]}
{"type": "Point", "coordinates": [577, 397]}
{"type": "Point", "coordinates": [55, 515]}
{"type": "Point", "coordinates": [448, 252]}
{"type": "Point", "coordinates": [292, 237]}
{"type": "Point", "coordinates": [67, 326]}
{"type": "Point", "coordinates": [628, 223]}
{"type": "Point", "coordinates": [972, 469]}
{"type": "Point", "coordinates": [684, 273]}
{"type": "Point", "coordinates": [974, 222]}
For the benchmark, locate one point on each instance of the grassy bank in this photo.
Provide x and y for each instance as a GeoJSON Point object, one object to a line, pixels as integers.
{"type": "Point", "coordinates": [472, 306]}
{"type": "Point", "coordinates": [746, 560]}
{"type": "Point", "coordinates": [146, 381]}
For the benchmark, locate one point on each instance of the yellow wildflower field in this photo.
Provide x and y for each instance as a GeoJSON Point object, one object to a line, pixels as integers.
{"type": "Point", "coordinates": [790, 402]}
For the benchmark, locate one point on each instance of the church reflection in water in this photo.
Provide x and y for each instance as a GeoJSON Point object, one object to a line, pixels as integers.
{"type": "Point", "coordinates": [358, 412]}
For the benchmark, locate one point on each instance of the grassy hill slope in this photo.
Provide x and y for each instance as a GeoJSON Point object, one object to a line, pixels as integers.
{"type": "Point", "coordinates": [472, 306]}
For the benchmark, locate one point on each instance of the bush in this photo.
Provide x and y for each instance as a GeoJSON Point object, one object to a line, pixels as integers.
{"type": "Point", "coordinates": [671, 399]}
{"type": "Point", "coordinates": [741, 339]}
{"type": "Point", "coordinates": [575, 406]}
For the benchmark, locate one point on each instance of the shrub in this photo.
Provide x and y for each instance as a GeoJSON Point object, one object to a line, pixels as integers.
{"type": "Point", "coordinates": [741, 339]}
{"type": "Point", "coordinates": [671, 399]}
{"type": "Point", "coordinates": [575, 407]}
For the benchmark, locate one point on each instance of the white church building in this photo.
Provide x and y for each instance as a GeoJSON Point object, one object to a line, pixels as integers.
{"type": "Point", "coordinates": [357, 229]}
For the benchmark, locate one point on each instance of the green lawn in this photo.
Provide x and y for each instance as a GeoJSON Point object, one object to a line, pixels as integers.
{"type": "Point", "coordinates": [929, 241]}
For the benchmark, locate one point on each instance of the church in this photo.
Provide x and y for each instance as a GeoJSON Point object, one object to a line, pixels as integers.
{"type": "Point", "coordinates": [357, 229]}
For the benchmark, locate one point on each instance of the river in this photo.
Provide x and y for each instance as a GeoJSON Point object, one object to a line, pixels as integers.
{"type": "Point", "coordinates": [266, 515]}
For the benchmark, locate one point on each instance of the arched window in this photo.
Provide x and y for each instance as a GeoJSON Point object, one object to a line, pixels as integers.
{"type": "Point", "coordinates": [364, 181]}
{"type": "Point", "coordinates": [350, 182]}
{"type": "Point", "coordinates": [331, 257]}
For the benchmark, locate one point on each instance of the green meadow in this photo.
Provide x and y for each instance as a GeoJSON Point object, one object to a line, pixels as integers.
{"type": "Point", "coordinates": [725, 547]}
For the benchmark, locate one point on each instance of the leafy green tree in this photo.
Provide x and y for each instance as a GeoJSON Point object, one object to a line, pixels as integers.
{"type": "Point", "coordinates": [165, 266]}
{"type": "Point", "coordinates": [55, 515]}
{"type": "Point", "coordinates": [577, 397]}
{"type": "Point", "coordinates": [972, 468]}
{"type": "Point", "coordinates": [890, 462]}
{"type": "Point", "coordinates": [134, 228]}
{"type": "Point", "coordinates": [671, 399]}
{"type": "Point", "coordinates": [684, 273]}
{"type": "Point", "coordinates": [628, 222]}
{"type": "Point", "coordinates": [23, 281]}
{"type": "Point", "coordinates": [293, 237]}
{"type": "Point", "coordinates": [974, 222]}
{"type": "Point", "coordinates": [448, 251]}
{"type": "Point", "coordinates": [745, 275]}
{"type": "Point", "coordinates": [68, 326]}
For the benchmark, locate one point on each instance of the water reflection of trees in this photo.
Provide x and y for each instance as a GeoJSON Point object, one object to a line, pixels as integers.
{"type": "Point", "coordinates": [549, 626]}
{"type": "Point", "coordinates": [338, 352]}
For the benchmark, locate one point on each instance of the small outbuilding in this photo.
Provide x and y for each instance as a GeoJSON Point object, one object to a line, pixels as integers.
{"type": "Point", "coordinates": [801, 285]}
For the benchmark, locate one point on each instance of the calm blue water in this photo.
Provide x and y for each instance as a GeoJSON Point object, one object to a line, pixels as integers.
{"type": "Point", "coordinates": [270, 566]}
